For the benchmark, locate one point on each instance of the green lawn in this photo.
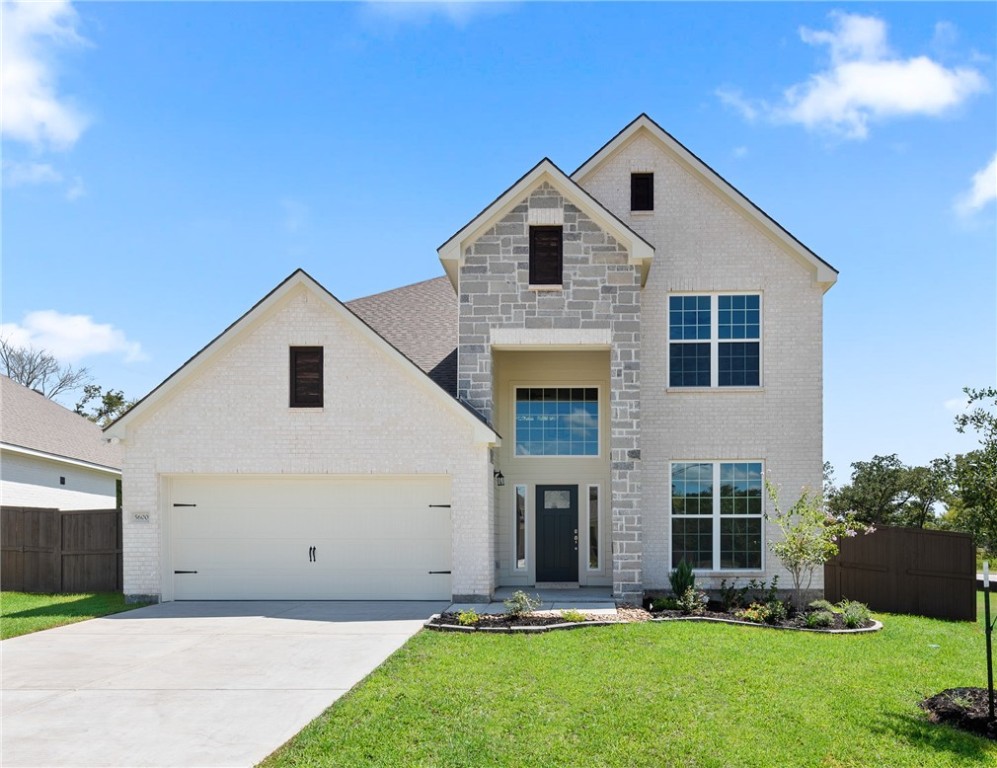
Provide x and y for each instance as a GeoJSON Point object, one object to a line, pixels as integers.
{"type": "Point", "coordinates": [676, 694]}
{"type": "Point", "coordinates": [21, 613]}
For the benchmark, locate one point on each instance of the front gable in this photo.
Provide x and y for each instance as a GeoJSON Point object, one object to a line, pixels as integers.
{"type": "Point", "coordinates": [643, 146]}
{"type": "Point", "coordinates": [242, 378]}
{"type": "Point", "coordinates": [559, 197]}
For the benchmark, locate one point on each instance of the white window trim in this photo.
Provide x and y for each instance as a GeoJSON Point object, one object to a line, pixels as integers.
{"type": "Point", "coordinates": [600, 400]}
{"type": "Point", "coordinates": [715, 342]}
{"type": "Point", "coordinates": [526, 528]}
{"type": "Point", "coordinates": [588, 527]}
{"type": "Point", "coordinates": [716, 517]}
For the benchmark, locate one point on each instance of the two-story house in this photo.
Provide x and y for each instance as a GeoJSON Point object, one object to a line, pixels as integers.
{"type": "Point", "coordinates": [593, 393]}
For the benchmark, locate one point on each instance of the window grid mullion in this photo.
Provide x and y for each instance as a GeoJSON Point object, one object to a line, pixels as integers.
{"type": "Point", "coordinates": [716, 516]}
{"type": "Point", "coordinates": [714, 341]}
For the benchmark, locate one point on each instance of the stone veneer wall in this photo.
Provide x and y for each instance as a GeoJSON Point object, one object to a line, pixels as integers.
{"type": "Point", "coordinates": [600, 290]}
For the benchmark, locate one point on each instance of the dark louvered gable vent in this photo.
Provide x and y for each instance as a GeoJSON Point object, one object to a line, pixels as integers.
{"type": "Point", "coordinates": [641, 191]}
{"type": "Point", "coordinates": [546, 254]}
{"type": "Point", "coordinates": [306, 377]}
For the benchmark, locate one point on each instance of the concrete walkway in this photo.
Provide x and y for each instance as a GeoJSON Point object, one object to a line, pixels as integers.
{"type": "Point", "coordinates": [192, 684]}
{"type": "Point", "coordinates": [597, 600]}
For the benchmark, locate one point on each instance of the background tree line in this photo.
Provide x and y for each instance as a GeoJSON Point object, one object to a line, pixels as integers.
{"type": "Point", "coordinates": [956, 493]}
{"type": "Point", "coordinates": [40, 371]}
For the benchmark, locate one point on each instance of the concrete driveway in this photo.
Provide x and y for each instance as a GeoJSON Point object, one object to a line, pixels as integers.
{"type": "Point", "coordinates": [189, 684]}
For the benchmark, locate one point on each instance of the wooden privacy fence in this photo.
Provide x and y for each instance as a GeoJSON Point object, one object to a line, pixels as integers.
{"type": "Point", "coordinates": [51, 550]}
{"type": "Point", "coordinates": [906, 570]}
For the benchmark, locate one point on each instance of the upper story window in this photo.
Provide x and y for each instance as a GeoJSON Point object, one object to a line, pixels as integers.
{"type": "Point", "coordinates": [306, 377]}
{"type": "Point", "coordinates": [714, 340]}
{"type": "Point", "coordinates": [641, 191]}
{"type": "Point", "coordinates": [546, 255]}
{"type": "Point", "coordinates": [557, 421]}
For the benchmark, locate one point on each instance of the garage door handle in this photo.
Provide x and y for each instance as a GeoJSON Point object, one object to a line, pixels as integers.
{"type": "Point", "coordinates": [184, 571]}
{"type": "Point", "coordinates": [433, 572]}
{"type": "Point", "coordinates": [312, 555]}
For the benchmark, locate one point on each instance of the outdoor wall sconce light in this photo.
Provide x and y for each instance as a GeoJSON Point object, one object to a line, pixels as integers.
{"type": "Point", "coordinates": [499, 478]}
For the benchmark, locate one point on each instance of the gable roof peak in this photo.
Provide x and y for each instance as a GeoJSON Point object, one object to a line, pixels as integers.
{"type": "Point", "coordinates": [451, 253]}
{"type": "Point", "coordinates": [826, 275]}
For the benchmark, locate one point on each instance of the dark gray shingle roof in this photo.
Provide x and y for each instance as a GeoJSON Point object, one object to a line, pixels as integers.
{"type": "Point", "coordinates": [30, 420]}
{"type": "Point", "coordinates": [420, 321]}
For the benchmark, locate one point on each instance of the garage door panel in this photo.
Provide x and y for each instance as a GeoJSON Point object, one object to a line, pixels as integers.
{"type": "Point", "coordinates": [250, 537]}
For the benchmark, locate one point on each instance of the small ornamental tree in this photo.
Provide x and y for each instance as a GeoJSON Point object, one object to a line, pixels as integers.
{"type": "Point", "coordinates": [809, 537]}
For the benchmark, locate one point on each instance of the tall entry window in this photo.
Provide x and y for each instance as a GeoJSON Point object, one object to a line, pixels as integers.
{"type": "Point", "coordinates": [520, 527]}
{"type": "Point", "coordinates": [557, 421]}
{"type": "Point", "coordinates": [593, 511]}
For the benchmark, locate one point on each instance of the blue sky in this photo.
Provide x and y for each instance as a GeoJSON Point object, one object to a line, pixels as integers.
{"type": "Point", "coordinates": [165, 165]}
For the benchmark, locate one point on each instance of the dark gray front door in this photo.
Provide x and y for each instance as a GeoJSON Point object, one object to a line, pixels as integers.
{"type": "Point", "coordinates": [557, 533]}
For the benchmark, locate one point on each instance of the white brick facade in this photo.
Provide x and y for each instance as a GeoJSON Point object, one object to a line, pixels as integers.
{"type": "Point", "coordinates": [704, 243]}
{"type": "Point", "coordinates": [231, 416]}
{"type": "Point", "coordinates": [228, 414]}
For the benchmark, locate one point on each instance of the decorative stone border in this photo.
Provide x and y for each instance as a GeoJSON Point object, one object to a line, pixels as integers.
{"type": "Point", "coordinates": [537, 630]}
{"type": "Point", "coordinates": [876, 625]}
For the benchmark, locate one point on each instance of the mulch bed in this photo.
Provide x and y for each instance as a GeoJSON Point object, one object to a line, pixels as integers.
{"type": "Point", "coordinates": [964, 708]}
{"type": "Point", "coordinates": [505, 622]}
{"type": "Point", "coordinates": [539, 620]}
{"type": "Point", "coordinates": [799, 621]}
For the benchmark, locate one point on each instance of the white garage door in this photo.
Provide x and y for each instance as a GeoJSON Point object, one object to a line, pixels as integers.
{"type": "Point", "coordinates": [310, 538]}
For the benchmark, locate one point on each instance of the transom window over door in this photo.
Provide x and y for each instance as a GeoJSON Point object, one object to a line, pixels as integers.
{"type": "Point", "coordinates": [717, 515]}
{"type": "Point", "coordinates": [306, 377]}
{"type": "Point", "coordinates": [714, 340]}
{"type": "Point", "coordinates": [557, 421]}
{"type": "Point", "coordinates": [546, 255]}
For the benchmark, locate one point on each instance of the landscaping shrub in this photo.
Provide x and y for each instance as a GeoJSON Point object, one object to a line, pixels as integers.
{"type": "Point", "coordinates": [572, 615]}
{"type": "Point", "coordinates": [756, 612]}
{"type": "Point", "coordinates": [521, 604]}
{"type": "Point", "coordinates": [776, 610]}
{"type": "Point", "coordinates": [819, 619]}
{"type": "Point", "coordinates": [665, 604]}
{"type": "Point", "coordinates": [821, 605]}
{"type": "Point", "coordinates": [693, 601]}
{"type": "Point", "coordinates": [682, 579]}
{"type": "Point", "coordinates": [732, 597]}
{"type": "Point", "coordinates": [467, 618]}
{"type": "Point", "coordinates": [854, 613]}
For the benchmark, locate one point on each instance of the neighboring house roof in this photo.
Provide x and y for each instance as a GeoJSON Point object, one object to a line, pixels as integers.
{"type": "Point", "coordinates": [420, 321]}
{"type": "Point", "coordinates": [33, 424]}
{"type": "Point", "coordinates": [826, 274]}
{"type": "Point", "coordinates": [452, 251]}
{"type": "Point", "coordinates": [297, 278]}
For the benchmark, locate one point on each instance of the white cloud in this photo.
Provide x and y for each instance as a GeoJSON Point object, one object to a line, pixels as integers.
{"type": "Point", "coordinates": [740, 152]}
{"type": "Point", "coordinates": [982, 190]}
{"type": "Point", "coordinates": [421, 13]}
{"type": "Point", "coordinates": [70, 338]}
{"type": "Point", "coordinates": [29, 174]}
{"type": "Point", "coordinates": [866, 82]}
{"type": "Point", "coordinates": [33, 111]}
{"type": "Point", "coordinates": [748, 108]}
{"type": "Point", "coordinates": [76, 189]}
